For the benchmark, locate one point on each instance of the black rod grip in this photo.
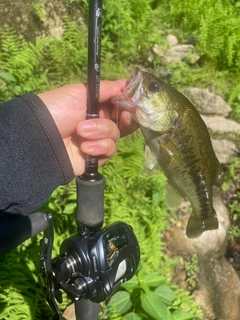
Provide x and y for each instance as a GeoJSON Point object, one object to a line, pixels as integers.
{"type": "Point", "coordinates": [90, 204]}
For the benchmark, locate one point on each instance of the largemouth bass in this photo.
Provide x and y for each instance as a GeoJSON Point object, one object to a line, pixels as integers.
{"type": "Point", "coordinates": [178, 140]}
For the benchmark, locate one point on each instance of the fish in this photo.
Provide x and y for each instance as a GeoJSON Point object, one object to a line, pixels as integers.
{"type": "Point", "coordinates": [177, 140]}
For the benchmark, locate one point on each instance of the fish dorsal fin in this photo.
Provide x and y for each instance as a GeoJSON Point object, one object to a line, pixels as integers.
{"type": "Point", "coordinates": [150, 158]}
{"type": "Point", "coordinates": [173, 197]}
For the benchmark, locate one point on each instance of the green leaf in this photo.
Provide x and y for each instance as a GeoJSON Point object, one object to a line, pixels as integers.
{"type": "Point", "coordinates": [141, 275]}
{"type": "Point", "coordinates": [156, 197]}
{"type": "Point", "coordinates": [179, 315]}
{"type": "Point", "coordinates": [131, 284]}
{"type": "Point", "coordinates": [121, 301]}
{"type": "Point", "coordinates": [153, 305]}
{"type": "Point", "coordinates": [72, 196]}
{"type": "Point", "coordinates": [69, 208]}
{"type": "Point", "coordinates": [166, 294]}
{"type": "Point", "coordinates": [132, 316]}
{"type": "Point", "coordinates": [154, 280]}
{"type": "Point", "coordinates": [7, 77]}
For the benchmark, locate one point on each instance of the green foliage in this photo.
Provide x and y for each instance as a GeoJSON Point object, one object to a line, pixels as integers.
{"type": "Point", "coordinates": [20, 294]}
{"type": "Point", "coordinates": [214, 26]}
{"type": "Point", "coordinates": [234, 233]}
{"type": "Point", "coordinates": [232, 182]}
{"type": "Point", "coordinates": [67, 57]}
{"type": "Point", "coordinates": [147, 296]}
{"type": "Point", "coordinates": [8, 86]}
{"type": "Point", "coordinates": [128, 33]}
{"type": "Point", "coordinates": [38, 10]}
{"type": "Point", "coordinates": [49, 62]}
{"type": "Point", "coordinates": [191, 269]}
{"type": "Point", "coordinates": [21, 60]}
{"type": "Point", "coordinates": [232, 173]}
{"type": "Point", "coordinates": [130, 25]}
{"type": "Point", "coordinates": [214, 22]}
{"type": "Point", "coordinates": [129, 30]}
{"type": "Point", "coordinates": [185, 302]}
{"type": "Point", "coordinates": [234, 208]}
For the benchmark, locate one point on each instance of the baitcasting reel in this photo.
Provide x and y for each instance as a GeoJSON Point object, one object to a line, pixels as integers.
{"type": "Point", "coordinates": [91, 265]}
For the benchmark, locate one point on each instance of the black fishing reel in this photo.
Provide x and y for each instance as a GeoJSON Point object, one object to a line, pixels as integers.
{"type": "Point", "coordinates": [91, 265]}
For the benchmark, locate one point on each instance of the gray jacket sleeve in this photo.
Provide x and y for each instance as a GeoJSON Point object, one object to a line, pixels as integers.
{"type": "Point", "coordinates": [33, 158]}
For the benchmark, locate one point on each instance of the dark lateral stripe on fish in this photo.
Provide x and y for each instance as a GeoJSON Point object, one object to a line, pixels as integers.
{"type": "Point", "coordinates": [198, 180]}
{"type": "Point", "coordinates": [203, 195]}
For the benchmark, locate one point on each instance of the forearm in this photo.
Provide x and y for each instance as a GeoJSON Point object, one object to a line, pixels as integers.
{"type": "Point", "coordinates": [33, 158]}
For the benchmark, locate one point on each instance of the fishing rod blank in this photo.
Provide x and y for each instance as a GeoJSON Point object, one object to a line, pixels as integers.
{"type": "Point", "coordinates": [94, 60]}
{"type": "Point", "coordinates": [90, 186]}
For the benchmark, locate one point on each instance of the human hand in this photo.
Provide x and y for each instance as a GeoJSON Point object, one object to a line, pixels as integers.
{"type": "Point", "coordinates": [96, 137]}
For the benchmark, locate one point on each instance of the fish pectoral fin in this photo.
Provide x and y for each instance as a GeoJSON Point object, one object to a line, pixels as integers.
{"type": "Point", "coordinates": [150, 158]}
{"type": "Point", "coordinates": [196, 226]}
{"type": "Point", "coordinates": [172, 151]}
{"type": "Point", "coordinates": [173, 197]}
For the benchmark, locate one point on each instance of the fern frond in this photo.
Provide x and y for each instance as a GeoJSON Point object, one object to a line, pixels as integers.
{"type": "Point", "coordinates": [38, 10]}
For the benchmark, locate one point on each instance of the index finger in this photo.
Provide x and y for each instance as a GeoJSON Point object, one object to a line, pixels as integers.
{"type": "Point", "coordinates": [109, 89]}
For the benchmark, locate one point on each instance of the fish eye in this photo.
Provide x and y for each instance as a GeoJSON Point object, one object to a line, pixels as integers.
{"type": "Point", "coordinates": [154, 87]}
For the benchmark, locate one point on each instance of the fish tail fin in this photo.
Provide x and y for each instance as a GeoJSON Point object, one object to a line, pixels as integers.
{"type": "Point", "coordinates": [196, 226]}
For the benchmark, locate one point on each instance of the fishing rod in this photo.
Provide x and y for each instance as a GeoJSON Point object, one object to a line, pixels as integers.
{"type": "Point", "coordinates": [93, 82]}
{"type": "Point", "coordinates": [93, 263]}
{"type": "Point", "coordinates": [90, 186]}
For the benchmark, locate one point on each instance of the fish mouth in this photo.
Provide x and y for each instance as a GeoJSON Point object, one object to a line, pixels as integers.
{"type": "Point", "coordinates": [132, 93]}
